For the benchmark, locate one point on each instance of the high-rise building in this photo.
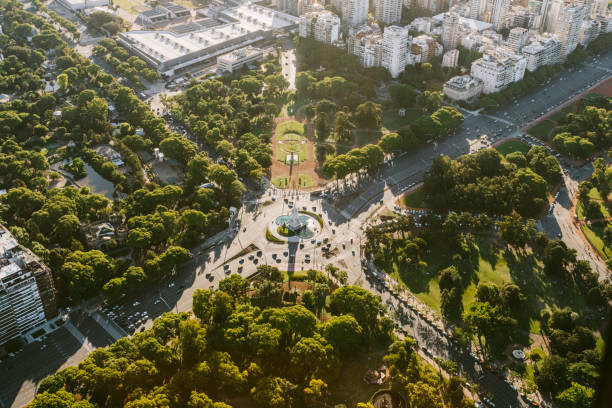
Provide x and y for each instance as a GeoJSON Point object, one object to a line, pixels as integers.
{"type": "Point", "coordinates": [499, 9]}
{"type": "Point", "coordinates": [394, 47]}
{"type": "Point", "coordinates": [550, 13]}
{"type": "Point", "coordinates": [517, 39]}
{"type": "Point", "coordinates": [354, 12]}
{"type": "Point", "coordinates": [544, 49]}
{"type": "Point", "coordinates": [388, 11]}
{"type": "Point", "coordinates": [568, 28]}
{"type": "Point", "coordinates": [323, 26]}
{"type": "Point", "coordinates": [423, 48]}
{"type": "Point", "coordinates": [450, 31]}
{"type": "Point", "coordinates": [27, 294]}
{"type": "Point", "coordinates": [474, 9]}
{"type": "Point", "coordinates": [589, 31]}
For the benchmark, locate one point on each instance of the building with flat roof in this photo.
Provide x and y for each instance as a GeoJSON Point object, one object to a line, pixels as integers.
{"type": "Point", "coordinates": [354, 12]}
{"type": "Point", "coordinates": [388, 11]}
{"type": "Point", "coordinates": [27, 294]}
{"type": "Point", "coordinates": [236, 59]}
{"type": "Point", "coordinates": [394, 47]}
{"type": "Point", "coordinates": [497, 69]}
{"type": "Point", "coordinates": [79, 5]}
{"type": "Point", "coordinates": [173, 53]}
{"type": "Point", "coordinates": [467, 23]}
{"type": "Point", "coordinates": [322, 26]}
{"type": "Point", "coordinates": [450, 59]}
{"type": "Point", "coordinates": [163, 13]}
{"type": "Point", "coordinates": [423, 48]}
{"type": "Point", "coordinates": [542, 50]}
{"type": "Point", "coordinates": [463, 88]}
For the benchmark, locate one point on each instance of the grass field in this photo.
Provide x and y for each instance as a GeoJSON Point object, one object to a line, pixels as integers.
{"type": "Point", "coordinates": [130, 6]}
{"type": "Point", "coordinates": [305, 181]}
{"type": "Point", "coordinates": [594, 234]}
{"type": "Point", "coordinates": [512, 146]}
{"type": "Point", "coordinates": [367, 136]}
{"type": "Point", "coordinates": [595, 195]}
{"type": "Point", "coordinates": [281, 181]}
{"type": "Point", "coordinates": [289, 142]}
{"type": "Point", "coordinates": [415, 199]}
{"type": "Point", "coordinates": [542, 129]}
{"type": "Point", "coordinates": [392, 121]}
{"type": "Point", "coordinates": [290, 126]}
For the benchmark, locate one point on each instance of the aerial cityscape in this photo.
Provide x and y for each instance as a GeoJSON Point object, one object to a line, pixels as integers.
{"type": "Point", "coordinates": [305, 203]}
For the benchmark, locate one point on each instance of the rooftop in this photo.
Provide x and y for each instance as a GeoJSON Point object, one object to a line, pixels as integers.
{"type": "Point", "coordinates": [471, 24]}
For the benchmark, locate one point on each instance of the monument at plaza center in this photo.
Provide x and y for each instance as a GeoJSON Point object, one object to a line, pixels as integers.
{"type": "Point", "coordinates": [295, 222]}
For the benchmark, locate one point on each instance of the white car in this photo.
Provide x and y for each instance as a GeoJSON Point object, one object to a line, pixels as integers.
{"type": "Point", "coordinates": [135, 304]}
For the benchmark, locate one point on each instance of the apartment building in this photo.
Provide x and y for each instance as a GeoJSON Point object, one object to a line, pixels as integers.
{"type": "Point", "coordinates": [568, 28]}
{"type": "Point", "coordinates": [322, 26]}
{"type": "Point", "coordinates": [450, 31]}
{"type": "Point", "coordinates": [354, 12]}
{"type": "Point", "coordinates": [388, 11]}
{"type": "Point", "coordinates": [27, 294]}
{"type": "Point", "coordinates": [517, 39]}
{"type": "Point", "coordinates": [543, 49]}
{"type": "Point", "coordinates": [450, 59]}
{"type": "Point", "coordinates": [394, 47]}
{"type": "Point", "coordinates": [423, 48]}
{"type": "Point", "coordinates": [498, 69]}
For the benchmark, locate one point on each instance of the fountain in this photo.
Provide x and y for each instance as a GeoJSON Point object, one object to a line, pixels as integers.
{"type": "Point", "coordinates": [296, 225]}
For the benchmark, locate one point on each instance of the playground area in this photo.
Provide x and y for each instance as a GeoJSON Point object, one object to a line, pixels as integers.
{"type": "Point", "coordinates": [294, 165]}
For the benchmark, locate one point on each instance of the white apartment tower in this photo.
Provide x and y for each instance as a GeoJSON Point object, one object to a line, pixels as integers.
{"type": "Point", "coordinates": [497, 70]}
{"type": "Point", "coordinates": [474, 9]}
{"type": "Point", "coordinates": [517, 39]}
{"type": "Point", "coordinates": [394, 48]}
{"type": "Point", "coordinates": [499, 10]}
{"type": "Point", "coordinates": [354, 12]}
{"type": "Point", "coordinates": [450, 31]}
{"type": "Point", "coordinates": [543, 50]}
{"type": "Point", "coordinates": [323, 26]}
{"type": "Point", "coordinates": [568, 28]}
{"type": "Point", "coordinates": [388, 11]}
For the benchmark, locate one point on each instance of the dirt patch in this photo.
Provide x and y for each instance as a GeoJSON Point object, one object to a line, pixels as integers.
{"type": "Point", "coordinates": [604, 88]}
{"type": "Point", "coordinates": [309, 167]}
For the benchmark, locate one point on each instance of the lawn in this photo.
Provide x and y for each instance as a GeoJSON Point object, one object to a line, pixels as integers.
{"type": "Point", "coordinates": [392, 121]}
{"type": "Point", "coordinates": [305, 181]}
{"type": "Point", "coordinates": [291, 142]}
{"type": "Point", "coordinates": [365, 137]}
{"type": "Point", "coordinates": [542, 129]}
{"type": "Point", "coordinates": [290, 126]}
{"type": "Point", "coordinates": [349, 389]}
{"type": "Point", "coordinates": [490, 262]}
{"type": "Point", "coordinates": [512, 146]}
{"type": "Point", "coordinates": [594, 234]}
{"type": "Point", "coordinates": [281, 181]}
{"type": "Point", "coordinates": [130, 6]}
{"type": "Point", "coordinates": [415, 199]}
{"type": "Point", "coordinates": [595, 195]}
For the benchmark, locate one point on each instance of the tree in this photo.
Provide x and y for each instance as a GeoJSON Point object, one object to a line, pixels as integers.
{"type": "Point", "coordinates": [576, 396]}
{"type": "Point", "coordinates": [430, 100]}
{"type": "Point", "coordinates": [514, 231]}
{"type": "Point", "coordinates": [368, 115]}
{"type": "Point", "coordinates": [358, 302]}
{"type": "Point", "coordinates": [343, 128]}
{"type": "Point", "coordinates": [312, 358]}
{"type": "Point", "coordinates": [273, 392]}
{"type": "Point", "coordinates": [321, 123]}
{"type": "Point", "coordinates": [234, 285]}
{"type": "Point", "coordinates": [344, 333]}
{"type": "Point", "coordinates": [179, 148]}
{"type": "Point", "coordinates": [489, 322]}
